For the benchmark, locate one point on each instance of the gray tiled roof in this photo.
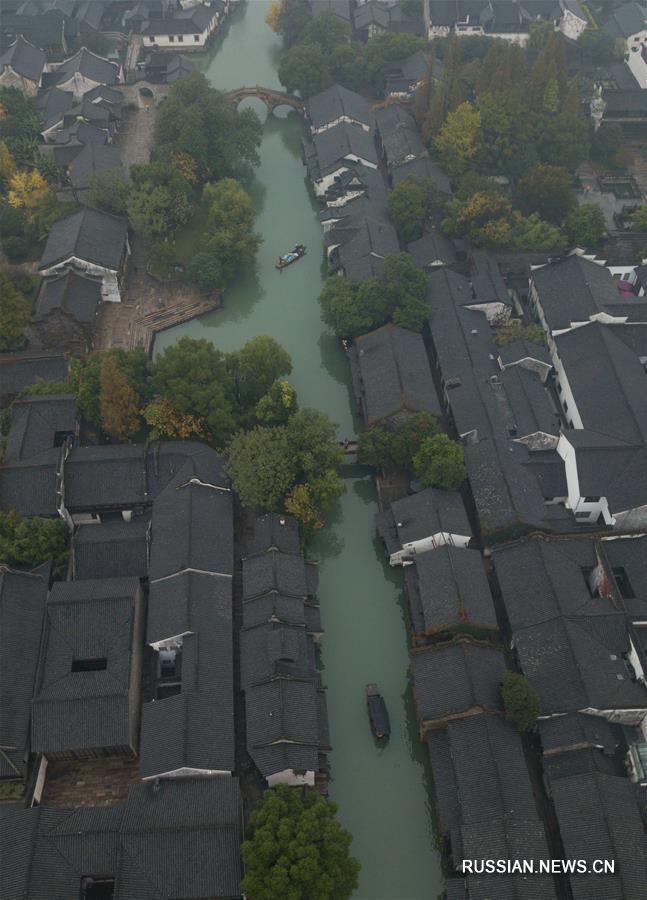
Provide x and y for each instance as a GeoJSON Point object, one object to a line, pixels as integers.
{"type": "Point", "coordinates": [575, 663]}
{"type": "Point", "coordinates": [52, 105]}
{"type": "Point", "coordinates": [25, 59]}
{"type": "Point", "coordinates": [111, 549]}
{"type": "Point", "coordinates": [362, 255]}
{"type": "Point", "coordinates": [107, 476]}
{"type": "Point", "coordinates": [423, 167]}
{"type": "Point", "coordinates": [428, 512]}
{"type": "Point", "coordinates": [432, 249]}
{"type": "Point", "coordinates": [574, 289]}
{"type": "Point", "coordinates": [191, 529]}
{"type": "Point", "coordinates": [178, 838]}
{"type": "Point", "coordinates": [270, 648]}
{"type": "Point", "coordinates": [337, 102]}
{"type": "Point", "coordinates": [341, 8]}
{"type": "Point", "coordinates": [187, 602]}
{"type": "Point", "coordinates": [627, 20]}
{"type": "Point", "coordinates": [453, 678]}
{"type": "Point", "coordinates": [29, 486]}
{"type": "Point", "coordinates": [97, 709]}
{"type": "Point", "coordinates": [18, 370]}
{"type": "Point", "coordinates": [274, 530]}
{"type": "Point", "coordinates": [88, 234]}
{"type": "Point", "coordinates": [630, 555]}
{"type": "Point", "coordinates": [22, 605]}
{"type": "Point", "coordinates": [451, 588]}
{"type": "Point", "coordinates": [576, 730]}
{"type": "Point", "coordinates": [487, 280]}
{"type": "Point", "coordinates": [94, 160]}
{"type": "Point", "coordinates": [333, 145]}
{"type": "Point", "coordinates": [39, 424]}
{"type": "Point", "coordinates": [509, 838]}
{"type": "Point", "coordinates": [75, 294]}
{"type": "Point", "coordinates": [541, 579]}
{"type": "Point", "coordinates": [284, 573]}
{"type": "Point", "coordinates": [393, 374]}
{"type": "Point", "coordinates": [90, 65]}
{"type": "Point", "coordinates": [598, 818]}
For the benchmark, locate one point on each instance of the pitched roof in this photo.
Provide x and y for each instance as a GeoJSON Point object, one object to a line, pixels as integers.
{"type": "Point", "coordinates": [18, 370]}
{"type": "Point", "coordinates": [337, 102]}
{"type": "Point", "coordinates": [25, 59]}
{"type": "Point", "coordinates": [38, 424]}
{"type": "Point", "coordinates": [450, 588]}
{"type": "Point", "coordinates": [22, 605]}
{"type": "Point", "coordinates": [274, 530]}
{"type": "Point", "coordinates": [560, 733]}
{"type": "Point", "coordinates": [107, 476]}
{"type": "Point", "coordinates": [343, 140]}
{"type": "Point", "coordinates": [432, 249]}
{"type": "Point", "coordinates": [598, 818]}
{"type": "Point", "coordinates": [52, 105]}
{"type": "Point", "coordinates": [284, 573]}
{"type": "Point", "coordinates": [573, 289]}
{"type": "Point", "coordinates": [363, 255]}
{"type": "Point", "coordinates": [29, 486]}
{"type": "Point", "coordinates": [77, 295]}
{"type": "Point", "coordinates": [574, 663]}
{"type": "Point", "coordinates": [422, 167]}
{"type": "Point", "coordinates": [111, 549]}
{"type": "Point", "coordinates": [392, 374]}
{"type": "Point", "coordinates": [46, 30]}
{"type": "Point", "coordinates": [340, 8]}
{"type": "Point", "coordinates": [87, 697]}
{"type": "Point", "coordinates": [88, 234]}
{"type": "Point", "coordinates": [426, 513]}
{"type": "Point", "coordinates": [627, 20]}
{"type": "Point", "coordinates": [453, 678]}
{"type": "Point", "coordinates": [90, 65]}
{"type": "Point", "coordinates": [486, 278]}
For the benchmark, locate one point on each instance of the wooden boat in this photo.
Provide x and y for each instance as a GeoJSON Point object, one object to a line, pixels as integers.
{"type": "Point", "coordinates": [377, 712]}
{"type": "Point", "coordinates": [296, 253]}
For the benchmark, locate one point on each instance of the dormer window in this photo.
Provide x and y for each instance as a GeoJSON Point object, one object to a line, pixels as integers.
{"type": "Point", "coordinates": [97, 887]}
{"type": "Point", "coordinates": [169, 673]}
{"type": "Point", "coordinates": [90, 664]}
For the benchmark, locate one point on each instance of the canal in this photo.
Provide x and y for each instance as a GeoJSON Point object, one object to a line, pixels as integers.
{"type": "Point", "coordinates": [382, 792]}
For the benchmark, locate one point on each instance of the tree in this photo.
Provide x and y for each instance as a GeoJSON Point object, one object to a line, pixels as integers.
{"type": "Point", "coordinates": [402, 280]}
{"type": "Point", "coordinates": [30, 542]}
{"type": "Point", "coordinates": [261, 467]}
{"type": "Point", "coordinates": [411, 204]}
{"type": "Point", "coordinates": [43, 388]}
{"type": "Point", "coordinates": [277, 405]}
{"type": "Point", "coordinates": [485, 218]}
{"type": "Point", "coordinates": [166, 422]}
{"type": "Point", "coordinates": [133, 364]}
{"type": "Point", "coordinates": [312, 439]}
{"type": "Point", "coordinates": [197, 120]}
{"type": "Point", "coordinates": [299, 503]}
{"type": "Point", "coordinates": [338, 308]}
{"type": "Point", "coordinates": [15, 313]}
{"type": "Point", "coordinates": [296, 849]}
{"type": "Point", "coordinates": [229, 232]}
{"type": "Point", "coordinates": [440, 463]}
{"type": "Point", "coordinates": [385, 49]}
{"type": "Point", "coordinates": [304, 68]}
{"type": "Point", "coordinates": [327, 31]}
{"type": "Point", "coordinates": [205, 270]}
{"type": "Point", "coordinates": [192, 374]}
{"type": "Point", "coordinates": [119, 410]}
{"type": "Point", "coordinates": [159, 201]}
{"type": "Point", "coordinates": [256, 367]}
{"type": "Point", "coordinates": [273, 17]}
{"type": "Point", "coordinates": [7, 165]}
{"type": "Point", "coordinates": [545, 189]}
{"type": "Point", "coordinates": [29, 192]}
{"type": "Point", "coordinates": [520, 701]}
{"type": "Point", "coordinates": [585, 225]}
{"type": "Point", "coordinates": [597, 47]}
{"type": "Point", "coordinates": [381, 447]}
{"type": "Point", "coordinates": [185, 164]}
{"type": "Point", "coordinates": [505, 144]}
{"type": "Point", "coordinates": [533, 233]}
{"type": "Point", "coordinates": [515, 330]}
{"type": "Point", "coordinates": [109, 192]}
{"type": "Point", "coordinates": [539, 30]}
{"type": "Point", "coordinates": [639, 219]}
{"type": "Point", "coordinates": [294, 18]}
{"type": "Point", "coordinates": [456, 142]}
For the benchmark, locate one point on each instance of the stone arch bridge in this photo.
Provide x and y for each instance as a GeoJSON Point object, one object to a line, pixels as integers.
{"type": "Point", "coordinates": [271, 98]}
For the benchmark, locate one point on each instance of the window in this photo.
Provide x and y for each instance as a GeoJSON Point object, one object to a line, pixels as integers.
{"type": "Point", "coordinates": [196, 38]}
{"type": "Point", "coordinates": [565, 405]}
{"type": "Point", "coordinates": [97, 887]}
{"type": "Point", "coordinates": [559, 388]}
{"type": "Point", "coordinates": [624, 585]}
{"type": "Point", "coordinates": [169, 673]}
{"type": "Point", "coordinates": [180, 38]}
{"type": "Point", "coordinates": [591, 499]}
{"type": "Point", "coordinates": [171, 38]}
{"type": "Point", "coordinates": [151, 39]}
{"type": "Point", "coordinates": [94, 664]}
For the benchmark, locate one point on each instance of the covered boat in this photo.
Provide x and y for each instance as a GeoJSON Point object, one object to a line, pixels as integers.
{"type": "Point", "coordinates": [297, 252]}
{"type": "Point", "coordinates": [377, 712]}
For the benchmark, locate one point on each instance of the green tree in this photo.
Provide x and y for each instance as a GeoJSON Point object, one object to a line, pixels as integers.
{"type": "Point", "coordinates": [109, 192]}
{"type": "Point", "coordinates": [340, 309]}
{"type": "Point", "coordinates": [15, 313]}
{"type": "Point", "coordinates": [564, 139]}
{"type": "Point", "coordinates": [382, 447]}
{"type": "Point", "coordinates": [205, 270]}
{"type": "Point", "coordinates": [20, 126]}
{"type": "Point", "coordinates": [585, 225]}
{"type": "Point", "coordinates": [485, 218]}
{"type": "Point", "coordinates": [304, 68]}
{"type": "Point", "coordinates": [385, 49]}
{"type": "Point", "coordinates": [193, 375]}
{"type": "Point", "coordinates": [277, 405]}
{"type": "Point", "coordinates": [229, 232]}
{"type": "Point", "coordinates": [545, 189]}
{"type": "Point", "coordinates": [294, 17]}
{"type": "Point", "coordinates": [256, 367]}
{"type": "Point", "coordinates": [313, 446]}
{"type": "Point", "coordinates": [261, 467]}
{"type": "Point", "coordinates": [328, 31]}
{"type": "Point", "coordinates": [297, 850]}
{"type": "Point", "coordinates": [118, 402]}
{"type": "Point", "coordinates": [456, 142]}
{"type": "Point", "coordinates": [411, 205]}
{"type": "Point", "coordinates": [597, 47]}
{"type": "Point", "coordinates": [440, 463]}
{"type": "Point", "coordinates": [134, 364]}
{"type": "Point", "coordinates": [505, 144]}
{"type": "Point", "coordinates": [43, 388]}
{"type": "Point", "coordinates": [539, 30]}
{"type": "Point", "coordinates": [515, 330]}
{"type": "Point", "coordinates": [520, 701]}
{"type": "Point", "coordinates": [30, 542]}
{"type": "Point", "coordinates": [299, 503]}
{"type": "Point", "coordinates": [533, 233]}
{"type": "Point", "coordinates": [159, 201]}
{"type": "Point", "coordinates": [639, 219]}
{"type": "Point", "coordinates": [197, 120]}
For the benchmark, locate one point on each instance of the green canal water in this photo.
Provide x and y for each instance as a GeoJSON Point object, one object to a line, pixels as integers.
{"type": "Point", "coordinates": [382, 792]}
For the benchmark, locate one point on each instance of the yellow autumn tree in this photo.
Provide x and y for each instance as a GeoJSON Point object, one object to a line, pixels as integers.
{"type": "Point", "coordinates": [185, 165]}
{"type": "Point", "coordinates": [29, 191]}
{"type": "Point", "coordinates": [7, 165]}
{"type": "Point", "coordinates": [117, 401]}
{"type": "Point", "coordinates": [299, 503]}
{"type": "Point", "coordinates": [273, 16]}
{"type": "Point", "coordinates": [166, 422]}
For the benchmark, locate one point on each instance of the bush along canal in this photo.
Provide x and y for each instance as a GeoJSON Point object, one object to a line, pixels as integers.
{"type": "Point", "coordinates": [381, 789]}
